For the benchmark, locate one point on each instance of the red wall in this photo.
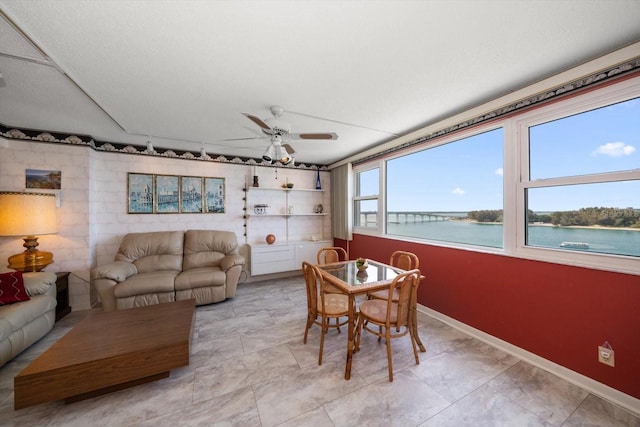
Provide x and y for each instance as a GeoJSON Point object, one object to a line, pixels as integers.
{"type": "Point", "coordinates": [558, 312]}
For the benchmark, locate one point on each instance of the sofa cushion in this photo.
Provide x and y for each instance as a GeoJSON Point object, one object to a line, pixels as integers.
{"type": "Point", "coordinates": [15, 316]}
{"type": "Point", "coordinates": [146, 283]}
{"type": "Point", "coordinates": [200, 277]}
{"type": "Point", "coordinates": [12, 288]}
{"type": "Point", "coordinates": [158, 250]}
{"type": "Point", "coordinates": [206, 248]}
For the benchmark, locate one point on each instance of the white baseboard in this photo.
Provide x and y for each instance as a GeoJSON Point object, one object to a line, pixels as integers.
{"type": "Point", "coordinates": [610, 394]}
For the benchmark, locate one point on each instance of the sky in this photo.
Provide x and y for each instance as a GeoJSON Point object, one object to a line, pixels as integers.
{"type": "Point", "coordinates": [467, 175]}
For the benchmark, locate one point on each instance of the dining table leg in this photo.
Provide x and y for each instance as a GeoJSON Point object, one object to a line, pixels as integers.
{"type": "Point", "coordinates": [351, 336]}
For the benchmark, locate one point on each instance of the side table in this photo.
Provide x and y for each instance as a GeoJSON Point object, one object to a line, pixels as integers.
{"type": "Point", "coordinates": [62, 295]}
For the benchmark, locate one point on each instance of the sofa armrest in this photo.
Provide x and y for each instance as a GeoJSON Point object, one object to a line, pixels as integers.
{"type": "Point", "coordinates": [231, 260]}
{"type": "Point", "coordinates": [117, 271]}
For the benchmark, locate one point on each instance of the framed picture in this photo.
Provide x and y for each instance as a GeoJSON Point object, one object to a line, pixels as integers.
{"type": "Point", "coordinates": [167, 194]}
{"type": "Point", "coordinates": [214, 195]}
{"type": "Point", "coordinates": [43, 179]}
{"type": "Point", "coordinates": [140, 192]}
{"type": "Point", "coordinates": [191, 194]}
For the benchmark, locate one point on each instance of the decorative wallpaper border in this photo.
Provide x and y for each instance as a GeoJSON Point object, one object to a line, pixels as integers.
{"type": "Point", "coordinates": [599, 77]}
{"type": "Point", "coordinates": [113, 147]}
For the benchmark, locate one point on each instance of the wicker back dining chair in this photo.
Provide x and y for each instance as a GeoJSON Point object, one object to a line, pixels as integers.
{"type": "Point", "coordinates": [401, 259]}
{"type": "Point", "coordinates": [322, 306]}
{"type": "Point", "coordinates": [328, 255]}
{"type": "Point", "coordinates": [331, 254]}
{"type": "Point", "coordinates": [393, 318]}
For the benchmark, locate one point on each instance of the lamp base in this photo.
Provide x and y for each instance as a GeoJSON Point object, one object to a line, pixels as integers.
{"type": "Point", "coordinates": [32, 259]}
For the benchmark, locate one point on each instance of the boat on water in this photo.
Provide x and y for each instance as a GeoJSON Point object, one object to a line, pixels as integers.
{"type": "Point", "coordinates": [574, 245]}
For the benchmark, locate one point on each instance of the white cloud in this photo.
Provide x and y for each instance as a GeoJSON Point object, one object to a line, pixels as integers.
{"type": "Point", "coordinates": [458, 191]}
{"type": "Point", "coordinates": [499, 172]}
{"type": "Point", "coordinates": [614, 149]}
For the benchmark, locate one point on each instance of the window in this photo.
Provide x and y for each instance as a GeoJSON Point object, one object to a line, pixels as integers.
{"type": "Point", "coordinates": [451, 192]}
{"type": "Point", "coordinates": [366, 198]}
{"type": "Point", "coordinates": [581, 176]}
{"type": "Point", "coordinates": [559, 183]}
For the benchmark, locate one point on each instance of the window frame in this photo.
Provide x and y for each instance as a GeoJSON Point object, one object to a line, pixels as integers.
{"type": "Point", "coordinates": [577, 104]}
{"type": "Point", "coordinates": [379, 230]}
{"type": "Point", "coordinates": [450, 139]}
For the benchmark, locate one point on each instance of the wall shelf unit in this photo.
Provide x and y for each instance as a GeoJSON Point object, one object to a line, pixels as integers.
{"type": "Point", "coordinates": [299, 219]}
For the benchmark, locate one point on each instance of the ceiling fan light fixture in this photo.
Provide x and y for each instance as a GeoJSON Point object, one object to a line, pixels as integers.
{"type": "Point", "coordinates": [269, 153]}
{"type": "Point", "coordinates": [282, 155]}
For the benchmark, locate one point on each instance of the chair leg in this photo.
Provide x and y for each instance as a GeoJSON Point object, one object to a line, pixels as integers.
{"type": "Point", "coordinates": [388, 339]}
{"type": "Point", "coordinates": [306, 329]}
{"type": "Point", "coordinates": [414, 344]}
{"type": "Point", "coordinates": [325, 326]}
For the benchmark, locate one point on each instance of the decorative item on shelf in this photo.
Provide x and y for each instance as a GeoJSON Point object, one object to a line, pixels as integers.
{"type": "Point", "coordinates": [318, 183]}
{"type": "Point", "coordinates": [28, 214]}
{"type": "Point", "coordinates": [362, 264]}
{"type": "Point", "coordinates": [260, 209]}
{"type": "Point", "coordinates": [287, 185]}
{"type": "Point", "coordinates": [270, 239]}
{"type": "Point", "coordinates": [319, 208]}
{"type": "Point", "coordinates": [255, 177]}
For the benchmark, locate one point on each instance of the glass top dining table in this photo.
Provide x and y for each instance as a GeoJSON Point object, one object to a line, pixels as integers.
{"type": "Point", "coordinates": [347, 278]}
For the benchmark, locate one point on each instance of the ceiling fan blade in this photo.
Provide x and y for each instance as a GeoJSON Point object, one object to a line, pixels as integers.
{"type": "Point", "coordinates": [289, 148]}
{"type": "Point", "coordinates": [245, 139]}
{"type": "Point", "coordinates": [325, 135]}
{"type": "Point", "coordinates": [257, 120]}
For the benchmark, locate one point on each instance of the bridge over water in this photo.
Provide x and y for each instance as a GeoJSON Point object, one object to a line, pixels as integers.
{"type": "Point", "coordinates": [404, 217]}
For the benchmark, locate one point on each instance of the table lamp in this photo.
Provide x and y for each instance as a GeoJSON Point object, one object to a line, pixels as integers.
{"type": "Point", "coordinates": [28, 214]}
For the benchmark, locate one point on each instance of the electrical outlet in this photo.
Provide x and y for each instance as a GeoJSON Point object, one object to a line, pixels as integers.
{"type": "Point", "coordinates": [606, 356]}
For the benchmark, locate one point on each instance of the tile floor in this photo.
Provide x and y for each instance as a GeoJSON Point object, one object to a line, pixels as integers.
{"type": "Point", "coordinates": [250, 368]}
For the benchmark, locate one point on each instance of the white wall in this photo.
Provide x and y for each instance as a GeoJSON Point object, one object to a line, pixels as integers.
{"type": "Point", "coordinates": [93, 218]}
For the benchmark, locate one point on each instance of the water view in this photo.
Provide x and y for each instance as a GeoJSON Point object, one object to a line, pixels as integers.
{"type": "Point", "coordinates": [600, 240]}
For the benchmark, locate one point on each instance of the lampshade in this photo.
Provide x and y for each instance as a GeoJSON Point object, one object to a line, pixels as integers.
{"type": "Point", "coordinates": [28, 214]}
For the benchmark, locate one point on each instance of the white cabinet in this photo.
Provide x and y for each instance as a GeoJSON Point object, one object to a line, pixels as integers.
{"type": "Point", "coordinates": [267, 259]}
{"type": "Point", "coordinates": [277, 258]}
{"type": "Point", "coordinates": [308, 251]}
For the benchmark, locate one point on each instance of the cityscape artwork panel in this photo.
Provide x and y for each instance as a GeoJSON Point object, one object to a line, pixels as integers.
{"type": "Point", "coordinates": [149, 193]}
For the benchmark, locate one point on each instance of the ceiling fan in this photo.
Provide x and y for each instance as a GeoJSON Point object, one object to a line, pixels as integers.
{"type": "Point", "coordinates": [278, 129]}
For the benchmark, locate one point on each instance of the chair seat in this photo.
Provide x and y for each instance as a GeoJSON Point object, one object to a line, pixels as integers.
{"type": "Point", "coordinates": [375, 310]}
{"type": "Point", "coordinates": [334, 305]}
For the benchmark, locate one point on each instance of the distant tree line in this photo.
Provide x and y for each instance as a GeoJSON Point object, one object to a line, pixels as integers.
{"type": "Point", "coordinates": [605, 217]}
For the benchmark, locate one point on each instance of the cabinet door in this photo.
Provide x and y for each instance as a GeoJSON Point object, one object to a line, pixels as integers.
{"type": "Point", "coordinates": [272, 259]}
{"type": "Point", "coordinates": [307, 251]}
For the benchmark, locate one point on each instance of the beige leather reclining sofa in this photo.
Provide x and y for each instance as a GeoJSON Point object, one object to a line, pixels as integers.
{"type": "Point", "coordinates": [164, 266]}
{"type": "Point", "coordinates": [23, 323]}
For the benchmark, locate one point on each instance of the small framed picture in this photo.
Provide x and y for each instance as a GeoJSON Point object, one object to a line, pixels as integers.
{"type": "Point", "coordinates": [140, 193]}
{"type": "Point", "coordinates": [191, 194]}
{"type": "Point", "coordinates": [214, 195]}
{"type": "Point", "coordinates": [43, 179]}
{"type": "Point", "coordinates": [167, 194]}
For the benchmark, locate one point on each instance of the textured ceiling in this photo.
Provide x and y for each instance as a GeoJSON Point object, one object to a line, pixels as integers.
{"type": "Point", "coordinates": [182, 72]}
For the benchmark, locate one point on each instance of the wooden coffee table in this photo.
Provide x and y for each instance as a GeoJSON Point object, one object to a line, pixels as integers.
{"type": "Point", "coordinates": [109, 351]}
